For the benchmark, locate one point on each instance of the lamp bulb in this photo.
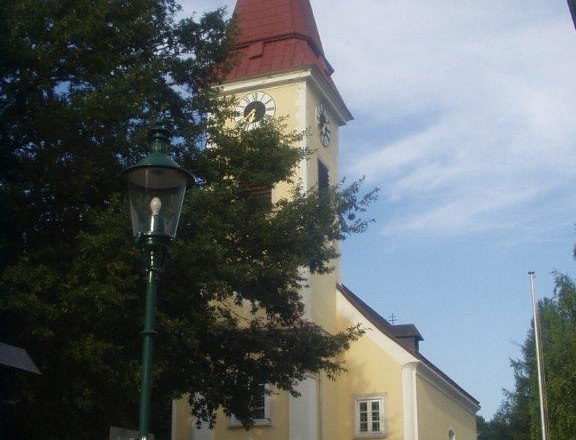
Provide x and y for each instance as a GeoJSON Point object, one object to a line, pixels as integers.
{"type": "Point", "coordinates": [155, 205]}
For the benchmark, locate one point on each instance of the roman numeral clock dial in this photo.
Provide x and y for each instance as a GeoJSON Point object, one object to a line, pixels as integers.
{"type": "Point", "coordinates": [254, 108]}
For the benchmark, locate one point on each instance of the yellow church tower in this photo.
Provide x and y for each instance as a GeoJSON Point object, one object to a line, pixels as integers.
{"type": "Point", "coordinates": [282, 72]}
{"type": "Point", "coordinates": [390, 390]}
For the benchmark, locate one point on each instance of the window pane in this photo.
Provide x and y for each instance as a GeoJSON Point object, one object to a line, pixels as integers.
{"type": "Point", "coordinates": [258, 403]}
{"type": "Point", "coordinates": [259, 414]}
{"type": "Point", "coordinates": [369, 416]}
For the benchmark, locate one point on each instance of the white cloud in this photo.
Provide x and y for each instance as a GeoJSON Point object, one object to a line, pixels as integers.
{"type": "Point", "coordinates": [498, 78]}
{"type": "Point", "coordinates": [464, 109]}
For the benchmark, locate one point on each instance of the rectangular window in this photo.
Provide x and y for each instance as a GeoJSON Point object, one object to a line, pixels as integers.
{"type": "Point", "coordinates": [260, 409]}
{"type": "Point", "coordinates": [262, 193]}
{"type": "Point", "coordinates": [259, 405]}
{"type": "Point", "coordinates": [370, 413]}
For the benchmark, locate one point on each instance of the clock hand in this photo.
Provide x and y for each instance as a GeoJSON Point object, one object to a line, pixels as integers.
{"type": "Point", "coordinates": [251, 116]}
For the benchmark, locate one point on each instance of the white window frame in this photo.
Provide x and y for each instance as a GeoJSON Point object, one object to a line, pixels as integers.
{"type": "Point", "coordinates": [381, 399]}
{"type": "Point", "coordinates": [267, 420]}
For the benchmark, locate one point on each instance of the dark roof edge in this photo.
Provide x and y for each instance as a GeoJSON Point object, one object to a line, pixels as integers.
{"type": "Point", "coordinates": [385, 327]}
{"type": "Point", "coordinates": [572, 7]}
{"type": "Point", "coordinates": [368, 312]}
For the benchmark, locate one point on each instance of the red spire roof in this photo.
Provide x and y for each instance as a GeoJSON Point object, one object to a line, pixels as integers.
{"type": "Point", "coordinates": [275, 36]}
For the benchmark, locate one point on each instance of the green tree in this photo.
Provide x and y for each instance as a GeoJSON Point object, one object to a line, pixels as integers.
{"type": "Point", "coordinates": [496, 429]}
{"type": "Point", "coordinates": [80, 81]}
{"type": "Point", "coordinates": [520, 413]}
{"type": "Point", "coordinates": [559, 323]}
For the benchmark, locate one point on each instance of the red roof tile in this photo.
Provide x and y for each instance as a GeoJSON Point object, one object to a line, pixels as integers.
{"type": "Point", "coordinates": [275, 36]}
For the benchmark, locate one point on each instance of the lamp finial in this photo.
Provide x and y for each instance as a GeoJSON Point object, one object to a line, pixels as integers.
{"type": "Point", "coordinates": [159, 139]}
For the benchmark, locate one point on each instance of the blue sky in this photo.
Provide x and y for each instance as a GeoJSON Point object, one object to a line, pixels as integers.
{"type": "Point", "coordinates": [465, 119]}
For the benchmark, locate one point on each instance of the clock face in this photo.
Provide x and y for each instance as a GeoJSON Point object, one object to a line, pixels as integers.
{"type": "Point", "coordinates": [255, 107]}
{"type": "Point", "coordinates": [323, 125]}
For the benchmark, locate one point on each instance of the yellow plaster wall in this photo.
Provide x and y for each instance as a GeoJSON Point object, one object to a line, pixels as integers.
{"type": "Point", "coordinates": [289, 106]}
{"type": "Point", "coordinates": [371, 370]}
{"type": "Point", "coordinates": [438, 413]}
{"type": "Point", "coordinates": [296, 104]}
{"type": "Point", "coordinates": [277, 430]}
{"type": "Point", "coordinates": [330, 420]}
{"type": "Point", "coordinates": [322, 286]}
{"type": "Point", "coordinates": [185, 428]}
{"type": "Point", "coordinates": [181, 419]}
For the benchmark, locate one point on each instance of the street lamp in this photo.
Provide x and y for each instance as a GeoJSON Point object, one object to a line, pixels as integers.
{"type": "Point", "coordinates": [156, 188]}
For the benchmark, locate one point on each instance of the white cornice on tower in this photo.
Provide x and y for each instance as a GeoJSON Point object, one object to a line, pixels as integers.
{"type": "Point", "coordinates": [309, 74]}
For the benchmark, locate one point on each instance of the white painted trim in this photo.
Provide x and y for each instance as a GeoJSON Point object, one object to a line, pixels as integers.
{"type": "Point", "coordinates": [204, 433]}
{"type": "Point", "coordinates": [306, 294]}
{"type": "Point", "coordinates": [259, 82]}
{"type": "Point", "coordinates": [302, 121]}
{"type": "Point", "coordinates": [321, 415]}
{"type": "Point", "coordinates": [382, 399]}
{"type": "Point", "coordinates": [303, 411]}
{"type": "Point", "coordinates": [233, 422]}
{"type": "Point", "coordinates": [308, 74]}
{"type": "Point", "coordinates": [410, 401]}
{"type": "Point", "coordinates": [328, 95]}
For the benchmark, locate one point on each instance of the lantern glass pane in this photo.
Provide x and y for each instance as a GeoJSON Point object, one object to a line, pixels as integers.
{"type": "Point", "coordinates": [156, 197]}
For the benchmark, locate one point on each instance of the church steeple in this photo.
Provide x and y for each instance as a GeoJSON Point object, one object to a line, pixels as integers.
{"type": "Point", "coordinates": [277, 36]}
{"type": "Point", "coordinates": [269, 19]}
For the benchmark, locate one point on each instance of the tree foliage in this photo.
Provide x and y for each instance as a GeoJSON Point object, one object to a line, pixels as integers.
{"type": "Point", "coordinates": [519, 416]}
{"type": "Point", "coordinates": [80, 81]}
{"type": "Point", "coordinates": [559, 321]}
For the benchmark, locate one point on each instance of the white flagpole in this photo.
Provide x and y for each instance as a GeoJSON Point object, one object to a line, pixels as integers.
{"type": "Point", "coordinates": [540, 366]}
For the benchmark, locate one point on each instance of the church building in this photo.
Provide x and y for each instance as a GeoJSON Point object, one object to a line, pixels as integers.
{"type": "Point", "coordinates": [389, 389]}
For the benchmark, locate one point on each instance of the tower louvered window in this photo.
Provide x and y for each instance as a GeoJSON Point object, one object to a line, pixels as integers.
{"type": "Point", "coordinates": [323, 176]}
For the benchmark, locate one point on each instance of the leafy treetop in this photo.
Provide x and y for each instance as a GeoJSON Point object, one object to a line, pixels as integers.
{"type": "Point", "coordinates": [80, 81]}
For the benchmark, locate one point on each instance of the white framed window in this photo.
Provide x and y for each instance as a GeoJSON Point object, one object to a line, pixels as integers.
{"type": "Point", "coordinates": [451, 434]}
{"type": "Point", "coordinates": [370, 416]}
{"type": "Point", "coordinates": [260, 406]}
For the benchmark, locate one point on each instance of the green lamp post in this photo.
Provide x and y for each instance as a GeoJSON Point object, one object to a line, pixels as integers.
{"type": "Point", "coordinates": [156, 189]}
